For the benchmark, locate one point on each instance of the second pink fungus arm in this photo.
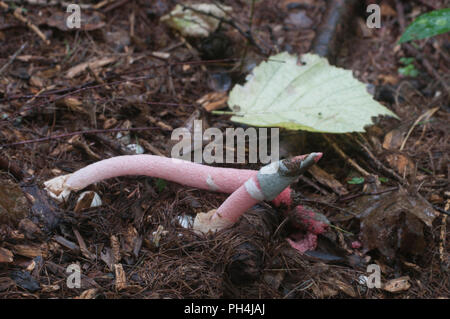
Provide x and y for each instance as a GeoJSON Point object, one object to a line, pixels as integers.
{"type": "Point", "coordinates": [270, 181]}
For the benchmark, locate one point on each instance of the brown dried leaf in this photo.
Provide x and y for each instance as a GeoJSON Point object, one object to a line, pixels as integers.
{"type": "Point", "coordinates": [394, 222]}
{"type": "Point", "coordinates": [93, 64]}
{"type": "Point", "coordinates": [13, 204]}
{"type": "Point", "coordinates": [88, 294]}
{"type": "Point", "coordinates": [388, 79]}
{"type": "Point", "coordinates": [401, 163]}
{"type": "Point", "coordinates": [327, 179]}
{"type": "Point", "coordinates": [30, 251]}
{"type": "Point", "coordinates": [50, 288]}
{"type": "Point", "coordinates": [397, 284]}
{"type": "Point", "coordinates": [344, 287]}
{"type": "Point", "coordinates": [106, 256]}
{"type": "Point", "coordinates": [129, 239]}
{"type": "Point", "coordinates": [30, 229]}
{"type": "Point", "coordinates": [387, 10]}
{"type": "Point", "coordinates": [121, 278]}
{"type": "Point", "coordinates": [393, 140]}
{"type": "Point", "coordinates": [36, 81]}
{"type": "Point", "coordinates": [115, 246]}
{"type": "Point", "coordinates": [109, 123]}
{"type": "Point", "coordinates": [72, 103]}
{"type": "Point", "coordinates": [6, 256]}
{"type": "Point", "coordinates": [213, 101]}
{"type": "Point", "coordinates": [50, 73]}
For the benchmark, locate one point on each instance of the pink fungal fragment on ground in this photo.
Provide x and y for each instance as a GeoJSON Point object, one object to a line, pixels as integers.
{"type": "Point", "coordinates": [303, 243]}
{"type": "Point", "coordinates": [313, 222]}
{"type": "Point", "coordinates": [356, 244]}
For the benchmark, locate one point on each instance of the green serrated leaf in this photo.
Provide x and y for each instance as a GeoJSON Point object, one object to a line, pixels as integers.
{"type": "Point", "coordinates": [314, 96]}
{"type": "Point", "coordinates": [427, 25]}
{"type": "Point", "coordinates": [356, 181]}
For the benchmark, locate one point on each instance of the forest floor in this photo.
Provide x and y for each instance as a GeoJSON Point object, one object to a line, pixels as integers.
{"type": "Point", "coordinates": [378, 189]}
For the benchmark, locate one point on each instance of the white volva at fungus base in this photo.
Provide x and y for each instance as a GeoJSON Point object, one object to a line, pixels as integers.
{"type": "Point", "coordinates": [57, 188]}
{"type": "Point", "coordinates": [205, 223]}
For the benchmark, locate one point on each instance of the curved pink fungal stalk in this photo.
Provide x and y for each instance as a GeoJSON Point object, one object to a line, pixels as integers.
{"type": "Point", "coordinates": [270, 181]}
{"type": "Point", "coordinates": [225, 180]}
{"type": "Point", "coordinates": [180, 171]}
{"type": "Point", "coordinates": [219, 179]}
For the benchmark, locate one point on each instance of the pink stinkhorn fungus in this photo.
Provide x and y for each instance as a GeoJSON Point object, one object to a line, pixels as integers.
{"type": "Point", "coordinates": [249, 186]}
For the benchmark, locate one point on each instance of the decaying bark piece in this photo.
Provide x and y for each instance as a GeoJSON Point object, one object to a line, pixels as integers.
{"type": "Point", "coordinates": [11, 167]}
{"type": "Point", "coordinates": [6, 256]}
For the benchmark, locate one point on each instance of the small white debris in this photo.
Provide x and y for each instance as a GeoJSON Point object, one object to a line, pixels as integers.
{"type": "Point", "coordinates": [124, 138]}
{"type": "Point", "coordinates": [185, 221]}
{"type": "Point", "coordinates": [136, 148]}
{"type": "Point", "coordinates": [162, 55]}
{"type": "Point", "coordinates": [96, 200]}
{"type": "Point", "coordinates": [211, 185]}
{"type": "Point", "coordinates": [160, 232]}
{"type": "Point", "coordinates": [363, 280]}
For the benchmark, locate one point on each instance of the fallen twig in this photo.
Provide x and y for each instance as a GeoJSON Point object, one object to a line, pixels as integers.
{"type": "Point", "coordinates": [425, 116]}
{"type": "Point", "coordinates": [346, 157]}
{"type": "Point", "coordinates": [368, 194]}
{"type": "Point", "coordinates": [11, 167]}
{"type": "Point", "coordinates": [378, 163]}
{"type": "Point", "coordinates": [13, 57]}
{"type": "Point", "coordinates": [97, 131]}
{"type": "Point", "coordinates": [18, 15]}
